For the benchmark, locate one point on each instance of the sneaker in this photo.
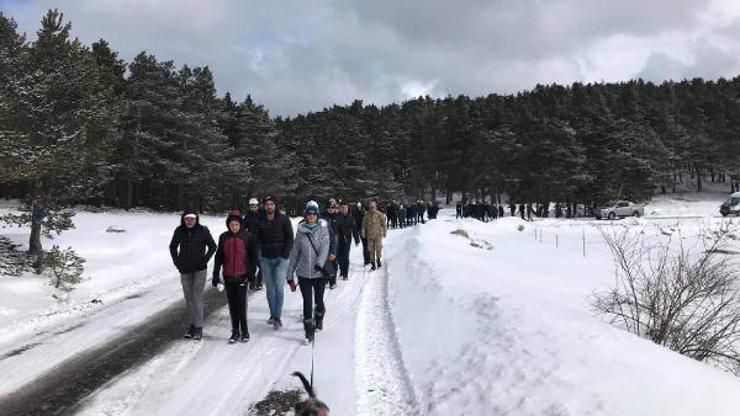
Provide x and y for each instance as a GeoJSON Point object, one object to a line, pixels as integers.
{"type": "Point", "coordinates": [197, 334]}
{"type": "Point", "coordinates": [332, 286]}
{"type": "Point", "coordinates": [244, 338]}
{"type": "Point", "coordinates": [271, 321]}
{"type": "Point", "coordinates": [233, 338]}
{"type": "Point", "coordinates": [189, 334]}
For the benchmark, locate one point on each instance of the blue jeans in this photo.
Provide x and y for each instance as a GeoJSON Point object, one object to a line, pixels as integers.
{"type": "Point", "coordinates": [274, 273]}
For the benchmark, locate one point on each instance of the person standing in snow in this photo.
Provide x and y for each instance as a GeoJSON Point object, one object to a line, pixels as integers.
{"type": "Point", "coordinates": [251, 219]}
{"type": "Point", "coordinates": [374, 228]}
{"type": "Point", "coordinates": [237, 253]}
{"type": "Point", "coordinates": [346, 232]}
{"type": "Point", "coordinates": [401, 216]}
{"type": "Point", "coordinates": [191, 248]}
{"type": "Point", "coordinates": [274, 241]}
{"type": "Point", "coordinates": [420, 208]}
{"type": "Point", "coordinates": [458, 210]}
{"type": "Point", "coordinates": [307, 259]}
{"type": "Point", "coordinates": [359, 215]}
{"type": "Point", "coordinates": [330, 216]}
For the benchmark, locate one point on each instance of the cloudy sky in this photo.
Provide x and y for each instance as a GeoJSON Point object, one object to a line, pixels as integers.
{"type": "Point", "coordinates": [301, 55]}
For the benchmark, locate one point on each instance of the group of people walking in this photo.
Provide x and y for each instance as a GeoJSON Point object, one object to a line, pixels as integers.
{"type": "Point", "coordinates": [260, 249]}
{"type": "Point", "coordinates": [401, 215]}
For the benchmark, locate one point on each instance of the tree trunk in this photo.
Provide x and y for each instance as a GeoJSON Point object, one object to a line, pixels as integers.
{"type": "Point", "coordinates": [35, 248]}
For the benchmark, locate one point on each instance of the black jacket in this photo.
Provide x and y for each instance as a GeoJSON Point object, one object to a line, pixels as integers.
{"type": "Point", "coordinates": [251, 220]}
{"type": "Point", "coordinates": [347, 229]}
{"type": "Point", "coordinates": [188, 246]}
{"type": "Point", "coordinates": [358, 214]}
{"type": "Point", "coordinates": [274, 237]}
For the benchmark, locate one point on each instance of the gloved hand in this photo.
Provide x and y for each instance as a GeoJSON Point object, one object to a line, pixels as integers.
{"type": "Point", "coordinates": [214, 281]}
{"type": "Point", "coordinates": [292, 285]}
{"type": "Point", "coordinates": [317, 268]}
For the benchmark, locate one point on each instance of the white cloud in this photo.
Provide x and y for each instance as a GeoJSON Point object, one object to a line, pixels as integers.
{"type": "Point", "coordinates": [301, 55]}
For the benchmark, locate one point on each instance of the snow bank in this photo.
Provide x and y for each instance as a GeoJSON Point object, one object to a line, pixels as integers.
{"type": "Point", "coordinates": [510, 331]}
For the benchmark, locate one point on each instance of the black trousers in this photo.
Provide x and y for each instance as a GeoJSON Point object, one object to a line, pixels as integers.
{"type": "Point", "coordinates": [365, 252]}
{"type": "Point", "coordinates": [236, 295]}
{"type": "Point", "coordinates": [343, 257]}
{"type": "Point", "coordinates": [312, 291]}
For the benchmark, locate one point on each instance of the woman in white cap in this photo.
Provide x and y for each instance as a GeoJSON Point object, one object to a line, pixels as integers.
{"type": "Point", "coordinates": [307, 259]}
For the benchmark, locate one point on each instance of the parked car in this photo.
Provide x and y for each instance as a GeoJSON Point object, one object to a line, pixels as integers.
{"type": "Point", "coordinates": [731, 206]}
{"type": "Point", "coordinates": [620, 209]}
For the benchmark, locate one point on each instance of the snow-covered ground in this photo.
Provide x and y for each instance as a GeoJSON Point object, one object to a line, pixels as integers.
{"type": "Point", "coordinates": [500, 326]}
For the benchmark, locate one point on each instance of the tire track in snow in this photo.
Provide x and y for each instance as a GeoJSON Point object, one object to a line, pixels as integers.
{"type": "Point", "coordinates": [59, 390]}
{"type": "Point", "coordinates": [382, 381]}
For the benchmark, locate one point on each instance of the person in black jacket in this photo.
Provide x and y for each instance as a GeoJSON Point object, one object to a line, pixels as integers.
{"type": "Point", "coordinates": [251, 219]}
{"type": "Point", "coordinates": [346, 232]}
{"type": "Point", "coordinates": [330, 216]}
{"type": "Point", "coordinates": [274, 240]}
{"type": "Point", "coordinates": [191, 248]}
{"type": "Point", "coordinates": [359, 215]}
{"type": "Point", "coordinates": [237, 253]}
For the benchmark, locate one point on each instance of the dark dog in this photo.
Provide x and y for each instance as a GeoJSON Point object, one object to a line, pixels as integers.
{"type": "Point", "coordinates": [312, 406]}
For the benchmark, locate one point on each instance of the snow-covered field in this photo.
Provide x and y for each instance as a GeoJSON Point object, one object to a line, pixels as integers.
{"type": "Point", "coordinates": [502, 326]}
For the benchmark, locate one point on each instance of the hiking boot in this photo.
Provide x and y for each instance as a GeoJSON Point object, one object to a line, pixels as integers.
{"type": "Point", "coordinates": [372, 266]}
{"type": "Point", "coordinates": [332, 286]}
{"type": "Point", "coordinates": [197, 334]}
{"type": "Point", "coordinates": [345, 277]}
{"type": "Point", "coordinates": [379, 262]}
{"type": "Point", "coordinates": [190, 332]}
{"type": "Point", "coordinates": [319, 321]}
{"type": "Point", "coordinates": [308, 326]}
{"type": "Point", "coordinates": [277, 324]}
{"type": "Point", "coordinates": [271, 321]}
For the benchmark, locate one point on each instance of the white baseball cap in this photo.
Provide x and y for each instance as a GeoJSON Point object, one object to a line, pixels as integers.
{"type": "Point", "coordinates": [254, 201]}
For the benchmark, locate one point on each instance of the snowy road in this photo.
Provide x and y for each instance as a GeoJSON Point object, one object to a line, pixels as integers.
{"type": "Point", "coordinates": [215, 378]}
{"type": "Point", "coordinates": [59, 390]}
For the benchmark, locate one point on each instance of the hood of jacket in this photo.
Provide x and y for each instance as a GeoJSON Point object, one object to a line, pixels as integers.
{"type": "Point", "coordinates": [187, 212]}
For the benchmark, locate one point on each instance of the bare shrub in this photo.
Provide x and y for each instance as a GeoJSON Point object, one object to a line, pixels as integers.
{"type": "Point", "coordinates": [682, 297]}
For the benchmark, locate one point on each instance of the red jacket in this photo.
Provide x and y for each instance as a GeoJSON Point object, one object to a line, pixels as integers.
{"type": "Point", "coordinates": [237, 254]}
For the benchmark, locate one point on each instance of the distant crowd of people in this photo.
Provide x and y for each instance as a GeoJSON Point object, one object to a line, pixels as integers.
{"type": "Point", "coordinates": [402, 214]}
{"type": "Point", "coordinates": [485, 211]}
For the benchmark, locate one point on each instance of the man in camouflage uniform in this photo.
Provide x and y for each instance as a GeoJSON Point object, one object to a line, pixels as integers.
{"type": "Point", "coordinates": [374, 228]}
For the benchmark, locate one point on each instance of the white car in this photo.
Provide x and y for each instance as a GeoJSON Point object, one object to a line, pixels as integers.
{"type": "Point", "coordinates": [621, 209]}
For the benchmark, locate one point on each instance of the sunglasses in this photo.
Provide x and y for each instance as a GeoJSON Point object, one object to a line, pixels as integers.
{"type": "Point", "coordinates": [311, 213]}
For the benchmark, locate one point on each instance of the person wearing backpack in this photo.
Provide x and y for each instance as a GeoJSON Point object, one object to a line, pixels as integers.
{"type": "Point", "coordinates": [307, 261]}
{"type": "Point", "coordinates": [237, 256]}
